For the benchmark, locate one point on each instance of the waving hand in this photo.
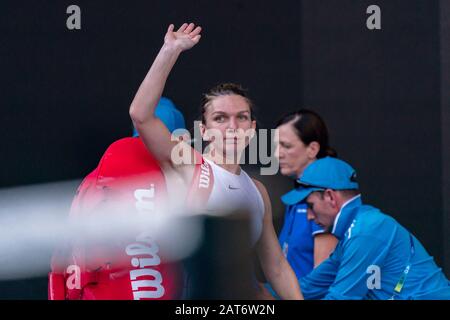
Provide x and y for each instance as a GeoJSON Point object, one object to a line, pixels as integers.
{"type": "Point", "coordinates": [184, 38]}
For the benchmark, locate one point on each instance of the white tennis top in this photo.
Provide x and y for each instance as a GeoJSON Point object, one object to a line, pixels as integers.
{"type": "Point", "coordinates": [232, 192]}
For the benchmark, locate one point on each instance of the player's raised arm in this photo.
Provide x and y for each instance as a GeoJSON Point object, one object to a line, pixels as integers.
{"type": "Point", "coordinates": [142, 110]}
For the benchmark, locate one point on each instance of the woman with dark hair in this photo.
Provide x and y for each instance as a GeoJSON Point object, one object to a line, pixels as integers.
{"type": "Point", "coordinates": [220, 185]}
{"type": "Point", "coordinates": [303, 138]}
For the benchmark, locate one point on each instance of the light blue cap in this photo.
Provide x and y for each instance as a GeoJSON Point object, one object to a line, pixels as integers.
{"type": "Point", "coordinates": [168, 113]}
{"type": "Point", "coordinates": [325, 173]}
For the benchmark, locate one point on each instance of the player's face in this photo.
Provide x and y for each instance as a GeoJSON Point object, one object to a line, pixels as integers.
{"type": "Point", "coordinates": [229, 125]}
{"type": "Point", "coordinates": [292, 153]}
{"type": "Point", "coordinates": [321, 209]}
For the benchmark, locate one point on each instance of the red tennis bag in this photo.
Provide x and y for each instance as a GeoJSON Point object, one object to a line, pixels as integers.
{"type": "Point", "coordinates": [133, 269]}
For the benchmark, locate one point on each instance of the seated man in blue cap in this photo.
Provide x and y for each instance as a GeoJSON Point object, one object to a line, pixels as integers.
{"type": "Point", "coordinates": [376, 257]}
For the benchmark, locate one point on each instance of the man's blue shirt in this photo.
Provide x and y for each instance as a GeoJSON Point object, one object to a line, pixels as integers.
{"type": "Point", "coordinates": [370, 259]}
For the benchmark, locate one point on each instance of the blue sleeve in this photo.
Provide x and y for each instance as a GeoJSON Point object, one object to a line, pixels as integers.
{"type": "Point", "coordinates": [315, 228]}
{"type": "Point", "coordinates": [358, 254]}
{"type": "Point", "coordinates": [316, 284]}
{"type": "Point", "coordinates": [179, 120]}
{"type": "Point", "coordinates": [285, 228]}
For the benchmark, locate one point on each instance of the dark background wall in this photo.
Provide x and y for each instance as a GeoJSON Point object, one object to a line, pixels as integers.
{"type": "Point", "coordinates": [65, 94]}
{"type": "Point", "coordinates": [445, 124]}
{"type": "Point", "coordinates": [380, 93]}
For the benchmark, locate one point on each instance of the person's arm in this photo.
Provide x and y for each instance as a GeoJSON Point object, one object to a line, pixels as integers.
{"type": "Point", "coordinates": [153, 132]}
{"type": "Point", "coordinates": [324, 244]}
{"type": "Point", "coordinates": [358, 254]}
{"type": "Point", "coordinates": [262, 293]}
{"type": "Point", "coordinates": [276, 268]}
{"type": "Point", "coordinates": [317, 283]}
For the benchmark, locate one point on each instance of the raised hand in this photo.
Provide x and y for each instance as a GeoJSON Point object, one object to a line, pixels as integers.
{"type": "Point", "coordinates": [184, 38]}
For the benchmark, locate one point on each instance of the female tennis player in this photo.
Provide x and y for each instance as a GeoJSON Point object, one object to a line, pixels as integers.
{"type": "Point", "coordinates": [227, 117]}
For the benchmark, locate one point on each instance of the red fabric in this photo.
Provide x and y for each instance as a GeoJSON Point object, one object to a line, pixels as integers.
{"type": "Point", "coordinates": [129, 269]}
{"type": "Point", "coordinates": [56, 286]}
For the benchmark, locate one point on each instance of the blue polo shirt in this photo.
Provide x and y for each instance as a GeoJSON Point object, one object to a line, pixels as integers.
{"type": "Point", "coordinates": [373, 254]}
{"type": "Point", "coordinates": [297, 239]}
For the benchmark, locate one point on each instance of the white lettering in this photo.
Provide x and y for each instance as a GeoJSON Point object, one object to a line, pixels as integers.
{"type": "Point", "coordinates": [374, 21]}
{"type": "Point", "coordinates": [192, 310]}
{"type": "Point", "coordinates": [151, 249]}
{"type": "Point", "coordinates": [74, 280]}
{"type": "Point", "coordinates": [204, 176]}
{"type": "Point", "coordinates": [138, 295]}
{"type": "Point", "coordinates": [74, 20]}
{"type": "Point", "coordinates": [139, 249]}
{"type": "Point", "coordinates": [374, 280]}
{"type": "Point", "coordinates": [144, 199]}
